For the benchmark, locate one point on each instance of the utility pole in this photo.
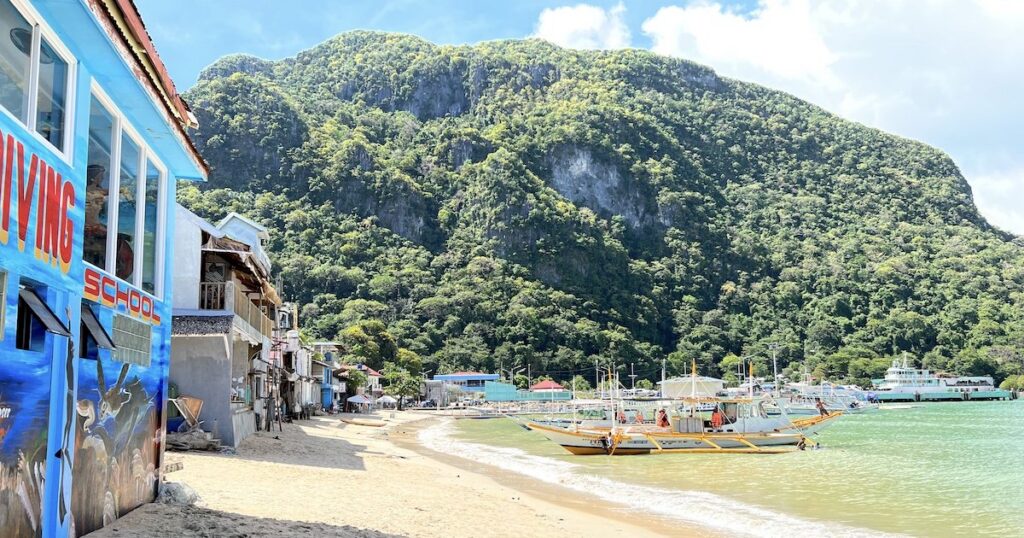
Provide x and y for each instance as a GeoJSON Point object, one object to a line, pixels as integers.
{"type": "Point", "coordinates": [775, 366]}
{"type": "Point", "coordinates": [597, 377]}
{"type": "Point", "coordinates": [632, 378]}
{"type": "Point", "coordinates": [662, 391]}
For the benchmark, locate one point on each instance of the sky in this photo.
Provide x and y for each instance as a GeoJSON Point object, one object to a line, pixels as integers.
{"type": "Point", "coordinates": [946, 72]}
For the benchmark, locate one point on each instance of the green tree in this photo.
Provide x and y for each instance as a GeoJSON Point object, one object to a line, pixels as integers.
{"type": "Point", "coordinates": [400, 383]}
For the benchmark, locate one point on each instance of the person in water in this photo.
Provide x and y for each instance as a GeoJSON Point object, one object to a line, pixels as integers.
{"type": "Point", "coordinates": [821, 407]}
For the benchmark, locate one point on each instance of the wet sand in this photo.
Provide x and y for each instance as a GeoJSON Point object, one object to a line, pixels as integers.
{"type": "Point", "coordinates": [322, 477]}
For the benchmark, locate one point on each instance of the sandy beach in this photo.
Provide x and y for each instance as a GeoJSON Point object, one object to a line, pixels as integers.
{"type": "Point", "coordinates": [323, 477]}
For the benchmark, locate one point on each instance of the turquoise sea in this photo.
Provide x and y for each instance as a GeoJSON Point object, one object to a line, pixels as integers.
{"type": "Point", "coordinates": [935, 469]}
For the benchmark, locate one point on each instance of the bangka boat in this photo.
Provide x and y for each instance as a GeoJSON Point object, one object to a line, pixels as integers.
{"type": "Point", "coordinates": [743, 425]}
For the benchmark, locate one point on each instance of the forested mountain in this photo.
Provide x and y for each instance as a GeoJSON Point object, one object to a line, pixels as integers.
{"type": "Point", "coordinates": [514, 201]}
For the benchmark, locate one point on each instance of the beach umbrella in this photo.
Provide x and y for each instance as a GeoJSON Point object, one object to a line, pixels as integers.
{"type": "Point", "coordinates": [386, 400]}
{"type": "Point", "coordinates": [359, 399]}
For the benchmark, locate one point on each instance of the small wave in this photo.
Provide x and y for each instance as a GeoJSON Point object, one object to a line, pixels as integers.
{"type": "Point", "coordinates": [704, 509]}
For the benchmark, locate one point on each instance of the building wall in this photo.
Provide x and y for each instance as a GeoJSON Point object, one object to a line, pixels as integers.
{"type": "Point", "coordinates": [200, 368]}
{"type": "Point", "coordinates": [185, 279]}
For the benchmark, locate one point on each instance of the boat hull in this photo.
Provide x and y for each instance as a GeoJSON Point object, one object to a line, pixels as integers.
{"type": "Point", "coordinates": [648, 441]}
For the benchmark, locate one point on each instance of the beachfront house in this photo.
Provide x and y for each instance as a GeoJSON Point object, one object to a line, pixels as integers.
{"type": "Point", "coordinates": [298, 386]}
{"type": "Point", "coordinates": [223, 310]}
{"type": "Point", "coordinates": [93, 139]}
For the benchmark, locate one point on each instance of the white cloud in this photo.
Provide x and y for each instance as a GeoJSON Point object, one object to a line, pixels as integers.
{"type": "Point", "coordinates": [584, 26]}
{"type": "Point", "coordinates": [947, 72]}
{"type": "Point", "coordinates": [779, 38]}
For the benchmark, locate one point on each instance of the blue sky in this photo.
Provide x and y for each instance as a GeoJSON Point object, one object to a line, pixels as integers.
{"type": "Point", "coordinates": [947, 72]}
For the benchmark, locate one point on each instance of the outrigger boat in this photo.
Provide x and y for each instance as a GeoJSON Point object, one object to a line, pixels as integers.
{"type": "Point", "coordinates": [735, 425]}
{"type": "Point", "coordinates": [746, 428]}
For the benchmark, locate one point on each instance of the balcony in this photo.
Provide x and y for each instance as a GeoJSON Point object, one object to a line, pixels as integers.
{"type": "Point", "coordinates": [228, 296]}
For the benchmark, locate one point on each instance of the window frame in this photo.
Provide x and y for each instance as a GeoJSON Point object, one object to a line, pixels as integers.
{"type": "Point", "coordinates": [41, 30]}
{"type": "Point", "coordinates": [123, 127]}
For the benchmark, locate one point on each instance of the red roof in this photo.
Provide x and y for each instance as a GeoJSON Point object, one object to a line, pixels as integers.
{"type": "Point", "coordinates": [547, 385]}
{"type": "Point", "coordinates": [370, 371]}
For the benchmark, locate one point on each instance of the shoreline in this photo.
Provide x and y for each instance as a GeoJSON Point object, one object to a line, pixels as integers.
{"type": "Point", "coordinates": [323, 477]}
{"type": "Point", "coordinates": [563, 497]}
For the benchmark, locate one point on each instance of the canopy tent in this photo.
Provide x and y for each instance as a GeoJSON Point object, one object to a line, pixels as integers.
{"type": "Point", "coordinates": [386, 400]}
{"type": "Point", "coordinates": [359, 399]}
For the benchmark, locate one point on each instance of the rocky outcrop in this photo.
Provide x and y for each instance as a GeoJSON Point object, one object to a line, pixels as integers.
{"type": "Point", "coordinates": [590, 182]}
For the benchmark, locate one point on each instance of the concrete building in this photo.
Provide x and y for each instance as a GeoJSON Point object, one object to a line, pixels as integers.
{"type": "Point", "coordinates": [299, 388]}
{"type": "Point", "coordinates": [223, 329]}
{"type": "Point", "coordinates": [94, 140]}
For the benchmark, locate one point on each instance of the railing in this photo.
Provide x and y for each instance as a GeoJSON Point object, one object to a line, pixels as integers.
{"type": "Point", "coordinates": [212, 296]}
{"type": "Point", "coordinates": [251, 313]}
{"type": "Point", "coordinates": [228, 296]}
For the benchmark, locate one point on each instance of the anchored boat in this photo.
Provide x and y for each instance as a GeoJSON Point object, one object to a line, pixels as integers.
{"type": "Point", "coordinates": [735, 425]}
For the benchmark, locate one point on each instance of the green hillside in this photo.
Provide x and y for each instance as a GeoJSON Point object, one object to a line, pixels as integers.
{"type": "Point", "coordinates": [514, 201]}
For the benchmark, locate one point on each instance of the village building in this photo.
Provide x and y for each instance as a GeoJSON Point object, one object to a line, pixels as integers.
{"type": "Point", "coordinates": [300, 391]}
{"type": "Point", "coordinates": [92, 143]}
{"type": "Point", "coordinates": [326, 369]}
{"type": "Point", "coordinates": [224, 305]}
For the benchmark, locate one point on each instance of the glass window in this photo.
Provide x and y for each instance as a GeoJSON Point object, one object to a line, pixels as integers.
{"type": "Point", "coordinates": [15, 49]}
{"type": "Point", "coordinates": [152, 208]}
{"type": "Point", "coordinates": [52, 94]}
{"type": "Point", "coordinates": [101, 133]}
{"type": "Point", "coordinates": [127, 209]}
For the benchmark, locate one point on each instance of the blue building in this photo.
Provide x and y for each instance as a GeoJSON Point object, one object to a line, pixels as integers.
{"type": "Point", "coordinates": [92, 140]}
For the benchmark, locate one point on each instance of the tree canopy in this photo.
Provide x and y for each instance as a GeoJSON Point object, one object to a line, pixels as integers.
{"type": "Point", "coordinates": [520, 204]}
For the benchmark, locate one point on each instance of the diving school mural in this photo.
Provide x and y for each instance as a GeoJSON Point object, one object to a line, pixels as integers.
{"type": "Point", "coordinates": [118, 431]}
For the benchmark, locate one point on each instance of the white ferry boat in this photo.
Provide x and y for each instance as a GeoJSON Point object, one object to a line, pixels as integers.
{"type": "Point", "coordinates": [905, 383]}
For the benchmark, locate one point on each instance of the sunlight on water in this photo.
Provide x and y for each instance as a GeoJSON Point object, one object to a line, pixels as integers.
{"type": "Point", "coordinates": [954, 469]}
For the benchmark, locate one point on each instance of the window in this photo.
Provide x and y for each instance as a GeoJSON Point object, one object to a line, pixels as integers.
{"type": "Point", "coordinates": [152, 213]}
{"type": "Point", "coordinates": [130, 202]}
{"type": "Point", "coordinates": [97, 191]}
{"type": "Point", "coordinates": [15, 68]}
{"type": "Point", "coordinates": [127, 210]}
{"type": "Point", "coordinates": [35, 76]}
{"type": "Point", "coordinates": [35, 319]}
{"type": "Point", "coordinates": [52, 95]}
{"type": "Point", "coordinates": [93, 335]}
{"type": "Point", "coordinates": [132, 340]}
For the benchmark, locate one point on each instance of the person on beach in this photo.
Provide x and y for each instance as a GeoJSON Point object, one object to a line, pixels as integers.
{"type": "Point", "coordinates": [821, 407]}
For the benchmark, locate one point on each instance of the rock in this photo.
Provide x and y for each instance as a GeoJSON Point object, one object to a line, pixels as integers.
{"type": "Point", "coordinates": [178, 493]}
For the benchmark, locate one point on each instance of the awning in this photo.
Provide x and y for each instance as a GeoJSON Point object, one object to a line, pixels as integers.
{"type": "Point", "coordinates": [359, 399]}
{"type": "Point", "coordinates": [386, 400]}
{"type": "Point", "coordinates": [42, 312]}
{"type": "Point", "coordinates": [96, 330]}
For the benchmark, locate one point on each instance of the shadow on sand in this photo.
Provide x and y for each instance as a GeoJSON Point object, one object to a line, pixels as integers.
{"type": "Point", "coordinates": [306, 442]}
{"type": "Point", "coordinates": [193, 522]}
